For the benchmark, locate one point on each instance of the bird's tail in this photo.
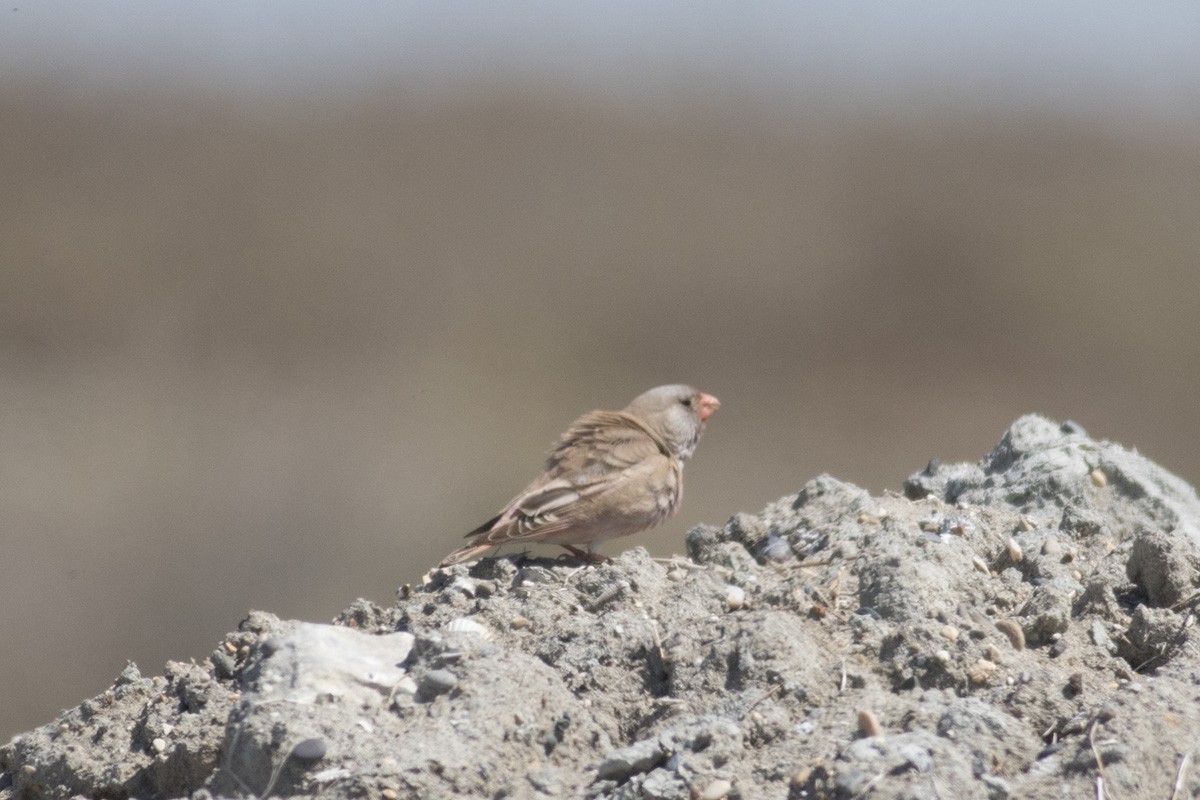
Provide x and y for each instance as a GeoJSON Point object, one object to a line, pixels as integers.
{"type": "Point", "coordinates": [465, 553]}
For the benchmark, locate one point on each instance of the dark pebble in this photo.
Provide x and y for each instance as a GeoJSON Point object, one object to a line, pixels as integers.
{"type": "Point", "coordinates": [310, 750]}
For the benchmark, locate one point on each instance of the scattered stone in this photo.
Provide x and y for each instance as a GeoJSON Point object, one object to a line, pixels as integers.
{"type": "Point", "coordinates": [868, 723]}
{"type": "Point", "coordinates": [437, 681]}
{"type": "Point", "coordinates": [1015, 553]}
{"type": "Point", "coordinates": [1014, 632]}
{"type": "Point", "coordinates": [981, 671]}
{"type": "Point", "coordinates": [1161, 568]}
{"type": "Point", "coordinates": [716, 790]}
{"type": "Point", "coordinates": [310, 750]}
{"type": "Point", "coordinates": [632, 760]}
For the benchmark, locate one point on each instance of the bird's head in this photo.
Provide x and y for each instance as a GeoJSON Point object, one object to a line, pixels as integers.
{"type": "Point", "coordinates": [677, 413]}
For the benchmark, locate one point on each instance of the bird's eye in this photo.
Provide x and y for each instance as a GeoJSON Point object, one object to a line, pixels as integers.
{"type": "Point", "coordinates": [687, 401]}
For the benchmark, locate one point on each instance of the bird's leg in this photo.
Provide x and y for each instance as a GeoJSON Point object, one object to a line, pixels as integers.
{"type": "Point", "coordinates": [589, 555]}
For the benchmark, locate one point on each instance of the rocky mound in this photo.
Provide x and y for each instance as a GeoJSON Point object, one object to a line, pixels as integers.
{"type": "Point", "coordinates": [1020, 627]}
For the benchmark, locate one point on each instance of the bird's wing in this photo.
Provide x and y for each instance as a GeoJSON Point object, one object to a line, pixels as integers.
{"type": "Point", "coordinates": [594, 455]}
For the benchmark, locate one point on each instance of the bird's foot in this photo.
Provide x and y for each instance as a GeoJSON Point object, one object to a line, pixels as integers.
{"type": "Point", "coordinates": [587, 555]}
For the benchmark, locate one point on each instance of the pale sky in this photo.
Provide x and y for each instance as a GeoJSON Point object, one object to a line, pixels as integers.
{"type": "Point", "coordinates": [1044, 52]}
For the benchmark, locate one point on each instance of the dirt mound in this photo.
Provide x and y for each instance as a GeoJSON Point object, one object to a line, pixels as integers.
{"type": "Point", "coordinates": [1020, 627]}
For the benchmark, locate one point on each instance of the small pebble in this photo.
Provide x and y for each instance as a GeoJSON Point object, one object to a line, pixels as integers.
{"type": "Point", "coordinates": [1075, 683]}
{"type": "Point", "coordinates": [517, 623]}
{"type": "Point", "coordinates": [159, 744]}
{"type": "Point", "coordinates": [993, 654]}
{"type": "Point", "coordinates": [676, 575]}
{"type": "Point", "coordinates": [271, 646]}
{"type": "Point", "coordinates": [981, 671]}
{"type": "Point", "coordinates": [389, 794]}
{"type": "Point", "coordinates": [1014, 550]}
{"type": "Point", "coordinates": [735, 597]}
{"type": "Point", "coordinates": [464, 585]}
{"type": "Point", "coordinates": [1058, 648]}
{"type": "Point", "coordinates": [1076, 574]}
{"type": "Point", "coordinates": [949, 632]}
{"type": "Point", "coordinates": [957, 526]}
{"type": "Point", "coordinates": [868, 723]}
{"type": "Point", "coordinates": [981, 565]}
{"type": "Point", "coordinates": [1106, 713]}
{"type": "Point", "coordinates": [1013, 631]}
{"type": "Point", "coordinates": [773, 548]}
{"type": "Point", "coordinates": [1051, 547]}
{"type": "Point", "coordinates": [716, 790]}
{"type": "Point", "coordinates": [1025, 524]}
{"type": "Point", "coordinates": [310, 750]}
{"type": "Point", "coordinates": [223, 664]}
{"type": "Point", "coordinates": [438, 681]}
{"type": "Point", "coordinates": [1099, 478]}
{"type": "Point", "coordinates": [942, 656]}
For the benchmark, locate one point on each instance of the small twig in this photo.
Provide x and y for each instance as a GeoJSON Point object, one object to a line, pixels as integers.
{"type": "Point", "coordinates": [842, 683]}
{"type": "Point", "coordinates": [1101, 778]}
{"type": "Point", "coordinates": [572, 573]}
{"type": "Point", "coordinates": [765, 695]}
{"type": "Point", "coordinates": [1187, 601]}
{"type": "Point", "coordinates": [662, 656]}
{"type": "Point", "coordinates": [820, 562]}
{"type": "Point", "coordinates": [1180, 774]}
{"type": "Point", "coordinates": [678, 561]}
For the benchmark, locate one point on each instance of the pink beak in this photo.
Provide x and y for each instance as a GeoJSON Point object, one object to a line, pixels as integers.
{"type": "Point", "coordinates": [708, 406]}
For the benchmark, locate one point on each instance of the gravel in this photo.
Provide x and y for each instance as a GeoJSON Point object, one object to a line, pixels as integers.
{"type": "Point", "coordinates": [1018, 627]}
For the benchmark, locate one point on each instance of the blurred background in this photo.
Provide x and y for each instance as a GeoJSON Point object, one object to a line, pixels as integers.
{"type": "Point", "coordinates": [292, 295]}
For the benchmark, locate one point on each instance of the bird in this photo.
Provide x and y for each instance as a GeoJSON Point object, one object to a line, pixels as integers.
{"type": "Point", "coordinates": [612, 473]}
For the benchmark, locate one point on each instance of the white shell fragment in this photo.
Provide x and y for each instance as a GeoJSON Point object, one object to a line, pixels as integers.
{"type": "Point", "coordinates": [735, 597]}
{"type": "Point", "coordinates": [467, 625]}
{"type": "Point", "coordinates": [1014, 551]}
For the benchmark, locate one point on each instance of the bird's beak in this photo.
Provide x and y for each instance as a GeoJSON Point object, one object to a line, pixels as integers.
{"type": "Point", "coordinates": [708, 406]}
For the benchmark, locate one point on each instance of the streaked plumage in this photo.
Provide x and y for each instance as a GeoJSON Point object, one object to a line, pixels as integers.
{"type": "Point", "coordinates": [613, 473]}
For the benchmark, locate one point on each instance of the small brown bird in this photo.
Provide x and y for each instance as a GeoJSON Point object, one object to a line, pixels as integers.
{"type": "Point", "coordinates": [611, 474]}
